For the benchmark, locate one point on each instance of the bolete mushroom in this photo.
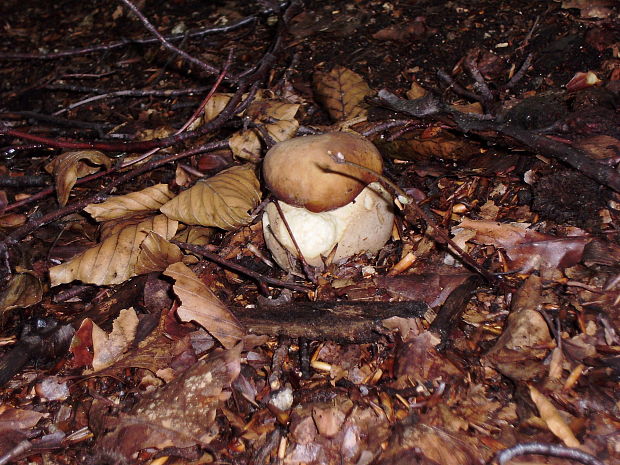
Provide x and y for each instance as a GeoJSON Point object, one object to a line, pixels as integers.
{"type": "Point", "coordinates": [325, 203]}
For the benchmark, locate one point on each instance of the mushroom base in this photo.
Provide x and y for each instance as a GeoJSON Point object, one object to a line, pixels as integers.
{"type": "Point", "coordinates": [364, 225]}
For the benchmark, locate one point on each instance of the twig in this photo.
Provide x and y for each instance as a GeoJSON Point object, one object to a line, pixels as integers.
{"type": "Point", "coordinates": [552, 450]}
{"type": "Point", "coordinates": [300, 255]}
{"type": "Point", "coordinates": [429, 105]}
{"type": "Point", "coordinates": [201, 64]}
{"type": "Point", "coordinates": [125, 42]}
{"type": "Point", "coordinates": [481, 84]}
{"type": "Point", "coordinates": [119, 93]}
{"type": "Point", "coordinates": [201, 251]}
{"type": "Point", "coordinates": [514, 80]}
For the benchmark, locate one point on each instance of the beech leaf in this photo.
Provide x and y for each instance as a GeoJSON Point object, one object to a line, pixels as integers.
{"type": "Point", "coordinates": [145, 200]}
{"type": "Point", "coordinates": [181, 413]}
{"type": "Point", "coordinates": [223, 201]}
{"type": "Point", "coordinates": [527, 249]}
{"type": "Point", "coordinates": [107, 348]}
{"type": "Point", "coordinates": [69, 166]}
{"type": "Point", "coordinates": [156, 254]}
{"type": "Point", "coordinates": [342, 92]}
{"type": "Point", "coordinates": [200, 304]}
{"type": "Point", "coordinates": [114, 259]}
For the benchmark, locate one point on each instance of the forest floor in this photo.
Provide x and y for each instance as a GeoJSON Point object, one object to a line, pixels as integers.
{"type": "Point", "coordinates": [143, 317]}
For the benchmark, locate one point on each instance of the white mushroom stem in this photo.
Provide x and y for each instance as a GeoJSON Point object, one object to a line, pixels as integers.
{"type": "Point", "coordinates": [364, 225]}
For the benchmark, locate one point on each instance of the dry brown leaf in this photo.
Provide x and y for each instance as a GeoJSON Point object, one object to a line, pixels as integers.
{"type": "Point", "coordinates": [181, 413]}
{"type": "Point", "coordinates": [18, 419]}
{"type": "Point", "coordinates": [156, 254]}
{"type": "Point", "coordinates": [223, 200]}
{"type": "Point", "coordinates": [553, 419]}
{"type": "Point", "coordinates": [107, 348]}
{"type": "Point", "coordinates": [245, 145]}
{"type": "Point", "coordinates": [23, 290]}
{"type": "Point", "coordinates": [197, 235]}
{"type": "Point", "coordinates": [342, 92]}
{"type": "Point", "coordinates": [416, 91]}
{"type": "Point", "coordinates": [276, 117]}
{"type": "Point", "coordinates": [527, 249]}
{"type": "Point", "coordinates": [214, 107]}
{"type": "Point", "coordinates": [441, 144]}
{"type": "Point", "coordinates": [519, 351]}
{"type": "Point", "coordinates": [146, 200]}
{"type": "Point", "coordinates": [113, 260]}
{"type": "Point", "coordinates": [201, 305]}
{"type": "Point", "coordinates": [69, 166]}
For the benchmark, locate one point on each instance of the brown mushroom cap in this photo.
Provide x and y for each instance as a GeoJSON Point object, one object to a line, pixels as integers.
{"type": "Point", "coordinates": [301, 172]}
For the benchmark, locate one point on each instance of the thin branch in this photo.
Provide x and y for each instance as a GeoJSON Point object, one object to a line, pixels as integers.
{"type": "Point", "coordinates": [126, 42]}
{"type": "Point", "coordinates": [201, 251]}
{"type": "Point", "coordinates": [201, 64]}
{"type": "Point", "coordinates": [552, 450]}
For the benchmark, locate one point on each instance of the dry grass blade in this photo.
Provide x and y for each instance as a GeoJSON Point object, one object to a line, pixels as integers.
{"type": "Point", "coordinates": [201, 305]}
{"type": "Point", "coordinates": [146, 200]}
{"type": "Point", "coordinates": [113, 260]}
{"type": "Point", "coordinates": [223, 201]}
{"type": "Point", "coordinates": [342, 92]}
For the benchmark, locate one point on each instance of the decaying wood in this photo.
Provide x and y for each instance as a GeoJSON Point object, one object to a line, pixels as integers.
{"type": "Point", "coordinates": [340, 321]}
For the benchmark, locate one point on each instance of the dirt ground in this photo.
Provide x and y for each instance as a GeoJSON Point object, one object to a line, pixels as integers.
{"type": "Point", "coordinates": [158, 329]}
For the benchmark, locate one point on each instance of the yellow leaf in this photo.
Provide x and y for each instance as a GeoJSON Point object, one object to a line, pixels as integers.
{"type": "Point", "coordinates": [553, 419]}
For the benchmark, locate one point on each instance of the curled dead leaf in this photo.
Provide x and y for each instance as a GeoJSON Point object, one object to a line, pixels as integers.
{"type": "Point", "coordinates": [223, 201]}
{"type": "Point", "coordinates": [23, 290]}
{"type": "Point", "coordinates": [69, 166]}
{"type": "Point", "coordinates": [551, 416]}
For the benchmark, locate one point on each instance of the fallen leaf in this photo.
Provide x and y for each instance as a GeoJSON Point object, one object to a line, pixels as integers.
{"type": "Point", "coordinates": [23, 290]}
{"type": "Point", "coordinates": [114, 259]}
{"type": "Point", "coordinates": [156, 253]}
{"type": "Point", "coordinates": [69, 166]}
{"type": "Point", "coordinates": [143, 201]}
{"type": "Point", "coordinates": [201, 305]}
{"type": "Point", "coordinates": [223, 201]}
{"type": "Point", "coordinates": [553, 419]}
{"type": "Point", "coordinates": [521, 347]}
{"type": "Point", "coordinates": [18, 419]}
{"type": "Point", "coordinates": [342, 92]}
{"type": "Point", "coordinates": [107, 348]}
{"type": "Point", "coordinates": [527, 250]}
{"type": "Point", "coordinates": [181, 413]}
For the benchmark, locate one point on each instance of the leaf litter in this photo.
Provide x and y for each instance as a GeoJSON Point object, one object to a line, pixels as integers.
{"type": "Point", "coordinates": [139, 350]}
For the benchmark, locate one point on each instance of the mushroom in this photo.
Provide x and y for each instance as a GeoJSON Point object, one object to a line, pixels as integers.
{"type": "Point", "coordinates": [325, 203]}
